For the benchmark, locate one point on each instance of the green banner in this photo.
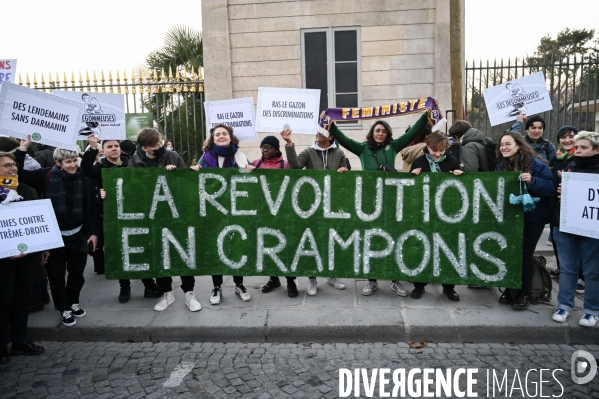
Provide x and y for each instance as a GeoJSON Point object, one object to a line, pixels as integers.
{"type": "Point", "coordinates": [434, 227]}
{"type": "Point", "coordinates": [135, 122]}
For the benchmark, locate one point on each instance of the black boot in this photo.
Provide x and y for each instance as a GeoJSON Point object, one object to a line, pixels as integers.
{"type": "Point", "coordinates": [26, 348]}
{"type": "Point", "coordinates": [522, 301]}
{"type": "Point", "coordinates": [125, 295]}
{"type": "Point", "coordinates": [271, 285]}
{"type": "Point", "coordinates": [152, 291]}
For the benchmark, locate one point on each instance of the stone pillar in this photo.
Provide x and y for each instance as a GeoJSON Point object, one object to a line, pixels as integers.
{"type": "Point", "coordinates": [218, 84]}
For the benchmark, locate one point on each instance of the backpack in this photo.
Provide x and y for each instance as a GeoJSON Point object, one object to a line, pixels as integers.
{"type": "Point", "coordinates": [490, 148]}
{"type": "Point", "coordinates": [541, 282]}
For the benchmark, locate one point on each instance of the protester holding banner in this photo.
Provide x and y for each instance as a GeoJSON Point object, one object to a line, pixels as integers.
{"type": "Point", "coordinates": [324, 154]}
{"type": "Point", "coordinates": [113, 159]}
{"type": "Point", "coordinates": [77, 208]}
{"type": "Point", "coordinates": [515, 155]}
{"type": "Point", "coordinates": [415, 149]}
{"type": "Point", "coordinates": [221, 151]}
{"type": "Point", "coordinates": [534, 127]}
{"type": "Point", "coordinates": [17, 273]}
{"type": "Point", "coordinates": [272, 158]}
{"type": "Point", "coordinates": [378, 152]}
{"type": "Point", "coordinates": [436, 158]}
{"type": "Point", "coordinates": [575, 250]}
{"type": "Point", "coordinates": [150, 153]}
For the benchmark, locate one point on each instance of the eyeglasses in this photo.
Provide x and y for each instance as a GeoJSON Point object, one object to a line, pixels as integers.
{"type": "Point", "coordinates": [11, 165]}
{"type": "Point", "coordinates": [266, 148]}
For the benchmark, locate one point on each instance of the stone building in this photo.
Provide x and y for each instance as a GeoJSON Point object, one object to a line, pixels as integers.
{"type": "Point", "coordinates": [358, 52]}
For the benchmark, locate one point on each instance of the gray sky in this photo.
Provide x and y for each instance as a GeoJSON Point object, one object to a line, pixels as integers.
{"type": "Point", "coordinates": [51, 37]}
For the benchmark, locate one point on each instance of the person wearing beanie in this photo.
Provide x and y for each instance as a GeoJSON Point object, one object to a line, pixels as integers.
{"type": "Point", "coordinates": [272, 158]}
{"type": "Point", "coordinates": [534, 127]}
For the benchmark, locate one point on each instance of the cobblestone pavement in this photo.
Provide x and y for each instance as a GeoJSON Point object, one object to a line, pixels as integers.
{"type": "Point", "coordinates": [233, 370]}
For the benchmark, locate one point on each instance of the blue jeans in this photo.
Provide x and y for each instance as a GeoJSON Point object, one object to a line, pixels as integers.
{"type": "Point", "coordinates": [575, 251]}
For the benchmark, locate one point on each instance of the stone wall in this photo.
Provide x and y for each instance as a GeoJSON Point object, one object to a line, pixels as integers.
{"type": "Point", "coordinates": [254, 43]}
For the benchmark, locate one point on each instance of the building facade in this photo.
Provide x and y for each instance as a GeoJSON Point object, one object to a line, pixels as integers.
{"type": "Point", "coordinates": [358, 52]}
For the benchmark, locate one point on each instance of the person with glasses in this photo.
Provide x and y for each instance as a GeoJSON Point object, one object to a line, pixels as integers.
{"type": "Point", "coordinates": [515, 155]}
{"type": "Point", "coordinates": [272, 158]}
{"type": "Point", "coordinates": [17, 273]}
{"type": "Point", "coordinates": [150, 153]}
{"type": "Point", "coordinates": [378, 152]}
{"type": "Point", "coordinates": [76, 203]}
{"type": "Point", "coordinates": [324, 154]}
{"type": "Point", "coordinates": [221, 150]}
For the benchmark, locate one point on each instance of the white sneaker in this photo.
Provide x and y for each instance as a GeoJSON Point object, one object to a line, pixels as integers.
{"type": "Point", "coordinates": [216, 296]}
{"type": "Point", "coordinates": [191, 302]}
{"type": "Point", "coordinates": [336, 283]}
{"type": "Point", "coordinates": [370, 288]}
{"type": "Point", "coordinates": [167, 299]}
{"type": "Point", "coordinates": [242, 293]}
{"type": "Point", "coordinates": [312, 287]}
{"type": "Point", "coordinates": [398, 288]}
{"type": "Point", "coordinates": [560, 315]}
{"type": "Point", "coordinates": [588, 320]}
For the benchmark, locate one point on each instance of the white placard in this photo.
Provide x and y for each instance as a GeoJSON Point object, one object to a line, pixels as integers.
{"type": "Point", "coordinates": [8, 70]}
{"type": "Point", "coordinates": [28, 226]}
{"type": "Point", "coordinates": [104, 115]}
{"type": "Point", "coordinates": [579, 212]}
{"type": "Point", "coordinates": [237, 113]}
{"type": "Point", "coordinates": [527, 95]}
{"type": "Point", "coordinates": [49, 119]}
{"type": "Point", "coordinates": [282, 108]}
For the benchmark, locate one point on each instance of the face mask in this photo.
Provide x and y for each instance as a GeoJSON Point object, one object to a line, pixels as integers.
{"type": "Point", "coordinates": [159, 152]}
{"type": "Point", "coordinates": [169, 149]}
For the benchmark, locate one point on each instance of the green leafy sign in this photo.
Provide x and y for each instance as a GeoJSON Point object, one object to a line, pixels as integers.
{"type": "Point", "coordinates": [435, 227]}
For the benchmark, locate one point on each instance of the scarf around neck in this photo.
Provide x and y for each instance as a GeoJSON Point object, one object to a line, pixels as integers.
{"type": "Point", "coordinates": [585, 162]}
{"type": "Point", "coordinates": [434, 165]}
{"type": "Point", "coordinates": [227, 152]}
{"type": "Point", "coordinates": [565, 155]}
{"type": "Point", "coordinates": [8, 189]}
{"type": "Point", "coordinates": [57, 193]}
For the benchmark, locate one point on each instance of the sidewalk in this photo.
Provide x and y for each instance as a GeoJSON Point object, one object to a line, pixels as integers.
{"type": "Point", "coordinates": [330, 316]}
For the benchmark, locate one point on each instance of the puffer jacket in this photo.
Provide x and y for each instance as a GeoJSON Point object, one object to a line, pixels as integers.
{"type": "Point", "coordinates": [474, 152]}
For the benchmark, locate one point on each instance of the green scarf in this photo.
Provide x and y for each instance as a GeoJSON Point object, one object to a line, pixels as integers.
{"type": "Point", "coordinates": [150, 163]}
{"type": "Point", "coordinates": [566, 155]}
{"type": "Point", "coordinates": [434, 165]}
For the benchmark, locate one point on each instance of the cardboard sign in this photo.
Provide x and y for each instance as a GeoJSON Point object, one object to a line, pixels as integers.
{"type": "Point", "coordinates": [47, 118]}
{"type": "Point", "coordinates": [104, 115]}
{"type": "Point", "coordinates": [434, 227]}
{"type": "Point", "coordinates": [579, 211]}
{"type": "Point", "coordinates": [527, 95]}
{"type": "Point", "coordinates": [137, 122]}
{"type": "Point", "coordinates": [284, 108]}
{"type": "Point", "coordinates": [237, 113]}
{"type": "Point", "coordinates": [28, 226]}
{"type": "Point", "coordinates": [8, 70]}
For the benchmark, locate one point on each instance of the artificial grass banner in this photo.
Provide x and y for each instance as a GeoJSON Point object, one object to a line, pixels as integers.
{"type": "Point", "coordinates": [434, 227]}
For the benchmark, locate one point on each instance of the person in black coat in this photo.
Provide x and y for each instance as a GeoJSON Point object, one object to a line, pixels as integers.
{"type": "Point", "coordinates": [113, 158]}
{"type": "Point", "coordinates": [436, 158]}
{"type": "Point", "coordinates": [76, 204]}
{"type": "Point", "coordinates": [515, 155]}
{"type": "Point", "coordinates": [17, 273]}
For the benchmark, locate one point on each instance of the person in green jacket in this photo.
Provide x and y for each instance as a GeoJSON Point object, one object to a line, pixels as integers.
{"type": "Point", "coordinates": [378, 152]}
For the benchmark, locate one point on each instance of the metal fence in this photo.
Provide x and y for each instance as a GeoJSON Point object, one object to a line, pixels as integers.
{"type": "Point", "coordinates": [176, 101]}
{"type": "Point", "coordinates": [572, 83]}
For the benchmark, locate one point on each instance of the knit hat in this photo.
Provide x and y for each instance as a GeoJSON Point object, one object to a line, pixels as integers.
{"type": "Point", "coordinates": [533, 119]}
{"type": "Point", "coordinates": [272, 140]}
{"type": "Point", "coordinates": [562, 130]}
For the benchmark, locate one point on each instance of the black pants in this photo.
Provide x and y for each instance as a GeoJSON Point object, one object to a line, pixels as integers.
{"type": "Point", "coordinates": [166, 283]}
{"type": "Point", "coordinates": [61, 261]}
{"type": "Point", "coordinates": [531, 237]}
{"type": "Point", "coordinates": [217, 280]}
{"type": "Point", "coordinates": [290, 280]}
{"type": "Point", "coordinates": [17, 277]}
{"type": "Point", "coordinates": [148, 283]}
{"type": "Point", "coordinates": [422, 285]}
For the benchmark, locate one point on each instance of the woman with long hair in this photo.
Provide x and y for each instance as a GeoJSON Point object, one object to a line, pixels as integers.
{"type": "Point", "coordinates": [221, 150]}
{"type": "Point", "coordinates": [515, 155]}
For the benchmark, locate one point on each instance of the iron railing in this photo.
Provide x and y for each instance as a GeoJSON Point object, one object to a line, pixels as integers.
{"type": "Point", "coordinates": [572, 83]}
{"type": "Point", "coordinates": [176, 102]}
